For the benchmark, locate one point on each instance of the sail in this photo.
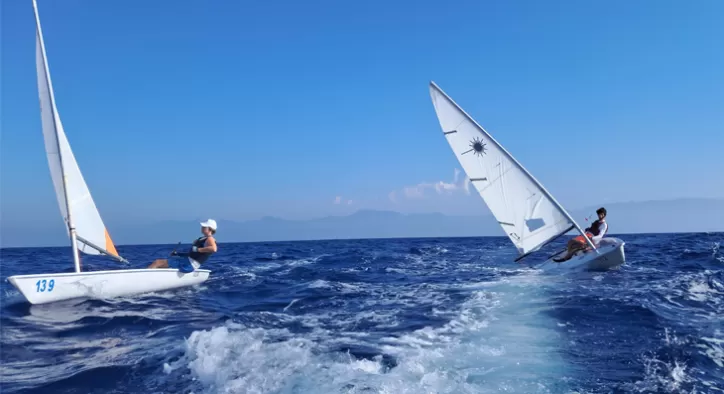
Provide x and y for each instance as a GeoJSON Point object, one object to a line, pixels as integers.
{"type": "Point", "coordinates": [527, 213]}
{"type": "Point", "coordinates": [73, 195]}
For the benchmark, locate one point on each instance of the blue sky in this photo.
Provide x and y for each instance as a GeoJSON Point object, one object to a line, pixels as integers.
{"type": "Point", "coordinates": [188, 109]}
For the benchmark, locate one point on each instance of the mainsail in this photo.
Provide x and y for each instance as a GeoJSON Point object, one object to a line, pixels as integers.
{"type": "Point", "coordinates": [528, 214]}
{"type": "Point", "coordinates": [76, 204]}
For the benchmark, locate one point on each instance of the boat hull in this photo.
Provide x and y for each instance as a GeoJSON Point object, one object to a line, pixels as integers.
{"type": "Point", "coordinates": [45, 288]}
{"type": "Point", "coordinates": [611, 256]}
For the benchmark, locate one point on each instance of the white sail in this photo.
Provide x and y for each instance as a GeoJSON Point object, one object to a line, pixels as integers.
{"type": "Point", "coordinates": [85, 227]}
{"type": "Point", "coordinates": [527, 213]}
{"type": "Point", "coordinates": [73, 195]}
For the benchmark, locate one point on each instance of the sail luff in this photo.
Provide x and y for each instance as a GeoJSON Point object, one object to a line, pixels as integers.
{"type": "Point", "coordinates": [46, 74]}
{"type": "Point", "coordinates": [76, 204]}
{"type": "Point", "coordinates": [500, 176]}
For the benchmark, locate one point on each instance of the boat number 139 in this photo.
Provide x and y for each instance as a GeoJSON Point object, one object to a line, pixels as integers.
{"type": "Point", "coordinates": [44, 285]}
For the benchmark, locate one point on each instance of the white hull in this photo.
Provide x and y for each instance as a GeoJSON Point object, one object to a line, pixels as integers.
{"type": "Point", "coordinates": [611, 256]}
{"type": "Point", "coordinates": [45, 288]}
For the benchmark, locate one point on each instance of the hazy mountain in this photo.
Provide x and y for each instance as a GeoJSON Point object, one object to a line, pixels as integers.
{"type": "Point", "coordinates": [683, 215]}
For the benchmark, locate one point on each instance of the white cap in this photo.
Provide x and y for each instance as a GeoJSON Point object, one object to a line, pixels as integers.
{"type": "Point", "coordinates": [211, 223]}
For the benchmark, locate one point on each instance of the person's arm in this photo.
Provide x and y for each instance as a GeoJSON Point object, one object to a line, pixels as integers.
{"type": "Point", "coordinates": [209, 246]}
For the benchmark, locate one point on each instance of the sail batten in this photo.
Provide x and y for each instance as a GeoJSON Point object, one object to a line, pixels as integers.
{"type": "Point", "coordinates": [527, 213]}
{"type": "Point", "coordinates": [77, 207]}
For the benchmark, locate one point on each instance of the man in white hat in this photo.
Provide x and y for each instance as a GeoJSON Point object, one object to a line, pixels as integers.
{"type": "Point", "coordinates": [201, 249]}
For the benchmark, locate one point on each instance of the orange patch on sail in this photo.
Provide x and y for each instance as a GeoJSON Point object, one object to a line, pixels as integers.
{"type": "Point", "coordinates": [110, 248]}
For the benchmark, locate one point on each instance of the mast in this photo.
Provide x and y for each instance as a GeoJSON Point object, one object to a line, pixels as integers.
{"type": "Point", "coordinates": [69, 218]}
{"type": "Point", "coordinates": [528, 174]}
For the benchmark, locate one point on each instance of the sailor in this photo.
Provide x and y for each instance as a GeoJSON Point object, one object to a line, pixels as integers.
{"type": "Point", "coordinates": [201, 249]}
{"type": "Point", "coordinates": [597, 230]}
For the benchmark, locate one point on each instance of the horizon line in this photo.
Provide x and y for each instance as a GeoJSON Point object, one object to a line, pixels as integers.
{"type": "Point", "coordinates": [445, 214]}
{"type": "Point", "coordinates": [363, 239]}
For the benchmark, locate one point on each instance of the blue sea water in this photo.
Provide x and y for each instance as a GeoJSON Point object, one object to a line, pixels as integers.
{"type": "Point", "coordinates": [451, 315]}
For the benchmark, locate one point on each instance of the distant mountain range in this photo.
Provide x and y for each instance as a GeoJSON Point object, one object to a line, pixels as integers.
{"type": "Point", "coordinates": [681, 215]}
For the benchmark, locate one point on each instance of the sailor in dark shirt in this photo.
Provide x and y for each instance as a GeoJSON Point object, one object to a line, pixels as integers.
{"type": "Point", "coordinates": [201, 249]}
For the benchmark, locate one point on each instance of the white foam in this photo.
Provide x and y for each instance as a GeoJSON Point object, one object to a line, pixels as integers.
{"type": "Point", "coordinates": [663, 376]}
{"type": "Point", "coordinates": [699, 290]}
{"type": "Point", "coordinates": [496, 340]}
{"type": "Point", "coordinates": [290, 304]}
{"type": "Point", "coordinates": [714, 348]}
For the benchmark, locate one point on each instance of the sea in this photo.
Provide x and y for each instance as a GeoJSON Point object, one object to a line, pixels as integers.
{"type": "Point", "coordinates": [447, 315]}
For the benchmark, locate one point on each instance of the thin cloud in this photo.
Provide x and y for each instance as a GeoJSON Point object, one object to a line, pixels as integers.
{"type": "Point", "coordinates": [417, 191]}
{"type": "Point", "coordinates": [339, 200]}
{"type": "Point", "coordinates": [441, 187]}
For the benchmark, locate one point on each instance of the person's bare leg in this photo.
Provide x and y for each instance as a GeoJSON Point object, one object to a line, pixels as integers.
{"type": "Point", "coordinates": [159, 263]}
{"type": "Point", "coordinates": [573, 247]}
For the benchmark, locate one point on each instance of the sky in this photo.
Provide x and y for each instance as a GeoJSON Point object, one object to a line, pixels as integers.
{"type": "Point", "coordinates": [237, 110]}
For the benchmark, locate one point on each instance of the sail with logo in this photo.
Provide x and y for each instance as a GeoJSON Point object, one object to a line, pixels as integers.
{"type": "Point", "coordinates": [528, 214]}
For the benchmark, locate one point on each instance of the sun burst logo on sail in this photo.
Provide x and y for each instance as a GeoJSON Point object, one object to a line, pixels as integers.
{"type": "Point", "coordinates": [477, 146]}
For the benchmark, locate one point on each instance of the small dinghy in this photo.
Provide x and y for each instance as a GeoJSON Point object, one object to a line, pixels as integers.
{"type": "Point", "coordinates": [610, 255]}
{"type": "Point", "coordinates": [85, 227]}
{"type": "Point", "coordinates": [527, 212]}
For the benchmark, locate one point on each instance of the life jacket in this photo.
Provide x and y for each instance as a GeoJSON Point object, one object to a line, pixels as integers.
{"type": "Point", "coordinates": [200, 257]}
{"type": "Point", "coordinates": [595, 228]}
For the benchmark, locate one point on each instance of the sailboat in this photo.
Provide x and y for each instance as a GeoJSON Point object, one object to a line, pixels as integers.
{"type": "Point", "coordinates": [529, 215]}
{"type": "Point", "coordinates": [86, 230]}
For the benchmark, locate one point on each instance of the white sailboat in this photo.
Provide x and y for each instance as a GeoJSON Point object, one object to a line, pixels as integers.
{"type": "Point", "coordinates": [85, 227]}
{"type": "Point", "coordinates": [527, 212]}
